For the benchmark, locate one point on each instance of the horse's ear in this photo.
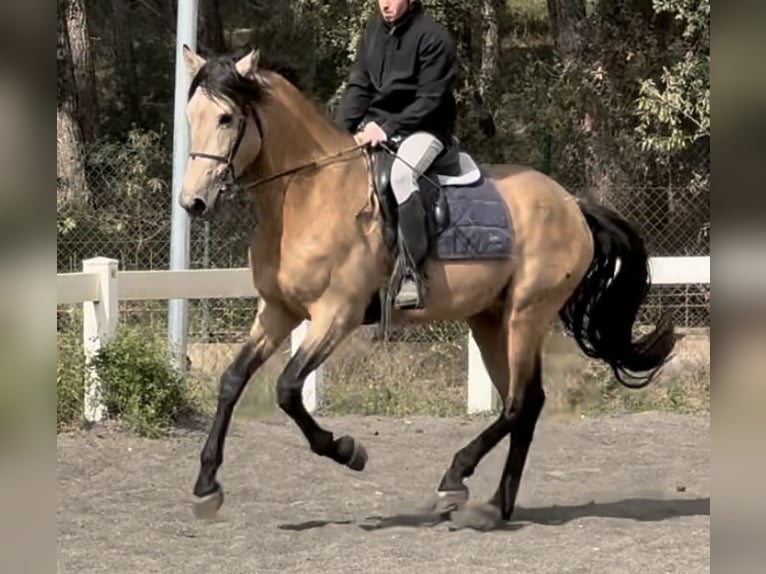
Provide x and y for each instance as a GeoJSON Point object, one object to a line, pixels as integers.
{"type": "Point", "coordinates": [247, 65]}
{"type": "Point", "coordinates": [192, 60]}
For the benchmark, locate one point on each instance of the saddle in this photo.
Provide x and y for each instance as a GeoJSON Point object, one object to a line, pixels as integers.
{"type": "Point", "coordinates": [452, 168]}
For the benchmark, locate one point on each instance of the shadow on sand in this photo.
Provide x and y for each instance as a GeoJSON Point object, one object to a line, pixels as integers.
{"type": "Point", "coordinates": [640, 509]}
{"type": "Point", "coordinates": [484, 517]}
{"type": "Point", "coordinates": [311, 524]}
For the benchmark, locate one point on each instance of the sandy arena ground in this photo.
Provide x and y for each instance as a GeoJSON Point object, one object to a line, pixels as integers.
{"type": "Point", "coordinates": [609, 495]}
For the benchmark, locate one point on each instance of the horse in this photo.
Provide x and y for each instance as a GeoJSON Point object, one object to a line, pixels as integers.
{"type": "Point", "coordinates": [323, 251]}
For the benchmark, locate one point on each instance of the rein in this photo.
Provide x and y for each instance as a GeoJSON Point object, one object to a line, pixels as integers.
{"type": "Point", "coordinates": [311, 164]}
{"type": "Point", "coordinates": [229, 158]}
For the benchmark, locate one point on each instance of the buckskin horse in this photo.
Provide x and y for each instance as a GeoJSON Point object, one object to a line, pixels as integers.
{"type": "Point", "coordinates": [511, 250]}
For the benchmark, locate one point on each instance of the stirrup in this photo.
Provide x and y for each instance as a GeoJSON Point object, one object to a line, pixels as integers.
{"type": "Point", "coordinates": [410, 294]}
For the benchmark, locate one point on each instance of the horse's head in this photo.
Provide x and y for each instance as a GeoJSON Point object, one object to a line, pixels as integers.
{"type": "Point", "coordinates": [225, 130]}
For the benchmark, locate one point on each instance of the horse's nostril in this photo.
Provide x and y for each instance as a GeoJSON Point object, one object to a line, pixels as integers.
{"type": "Point", "coordinates": [198, 206]}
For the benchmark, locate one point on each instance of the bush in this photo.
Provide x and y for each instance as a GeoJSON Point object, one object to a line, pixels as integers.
{"type": "Point", "coordinates": [70, 371]}
{"type": "Point", "coordinates": [139, 385]}
{"type": "Point", "coordinates": [596, 392]}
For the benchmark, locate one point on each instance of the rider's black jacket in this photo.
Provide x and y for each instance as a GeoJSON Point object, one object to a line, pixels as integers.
{"type": "Point", "coordinates": [403, 78]}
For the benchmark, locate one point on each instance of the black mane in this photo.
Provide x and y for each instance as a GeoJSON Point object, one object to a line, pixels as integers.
{"type": "Point", "coordinates": [220, 78]}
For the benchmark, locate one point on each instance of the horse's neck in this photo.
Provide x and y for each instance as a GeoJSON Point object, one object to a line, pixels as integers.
{"type": "Point", "coordinates": [296, 131]}
{"type": "Point", "coordinates": [296, 134]}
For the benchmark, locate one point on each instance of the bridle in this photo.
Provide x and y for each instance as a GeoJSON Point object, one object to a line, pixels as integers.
{"type": "Point", "coordinates": [228, 159]}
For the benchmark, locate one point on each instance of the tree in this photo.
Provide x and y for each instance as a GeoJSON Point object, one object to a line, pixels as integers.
{"type": "Point", "coordinates": [70, 162]}
{"type": "Point", "coordinates": [674, 112]}
{"type": "Point", "coordinates": [567, 19]}
{"type": "Point", "coordinates": [489, 47]}
{"type": "Point", "coordinates": [211, 27]}
{"type": "Point", "coordinates": [125, 76]}
{"type": "Point", "coordinates": [83, 68]}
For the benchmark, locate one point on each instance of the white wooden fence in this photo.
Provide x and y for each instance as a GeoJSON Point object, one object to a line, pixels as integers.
{"type": "Point", "coordinates": [101, 285]}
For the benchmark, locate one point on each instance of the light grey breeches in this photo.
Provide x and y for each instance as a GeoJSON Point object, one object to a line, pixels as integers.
{"type": "Point", "coordinates": [418, 150]}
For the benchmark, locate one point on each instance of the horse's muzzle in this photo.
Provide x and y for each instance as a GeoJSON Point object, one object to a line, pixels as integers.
{"type": "Point", "coordinates": [196, 206]}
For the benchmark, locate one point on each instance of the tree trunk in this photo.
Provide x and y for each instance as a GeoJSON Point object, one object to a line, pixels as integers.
{"type": "Point", "coordinates": [567, 18]}
{"type": "Point", "coordinates": [489, 48]}
{"type": "Point", "coordinates": [211, 27]}
{"type": "Point", "coordinates": [124, 61]}
{"type": "Point", "coordinates": [71, 185]}
{"type": "Point", "coordinates": [84, 72]}
{"type": "Point", "coordinates": [611, 172]}
{"type": "Point", "coordinates": [604, 179]}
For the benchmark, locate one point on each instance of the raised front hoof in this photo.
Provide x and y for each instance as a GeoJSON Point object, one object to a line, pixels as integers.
{"type": "Point", "coordinates": [206, 507]}
{"type": "Point", "coordinates": [358, 458]}
{"type": "Point", "coordinates": [448, 501]}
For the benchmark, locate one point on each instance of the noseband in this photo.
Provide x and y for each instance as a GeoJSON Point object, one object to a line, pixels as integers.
{"type": "Point", "coordinates": [229, 159]}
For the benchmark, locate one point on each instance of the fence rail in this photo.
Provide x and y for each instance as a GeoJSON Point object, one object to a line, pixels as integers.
{"type": "Point", "coordinates": [100, 286]}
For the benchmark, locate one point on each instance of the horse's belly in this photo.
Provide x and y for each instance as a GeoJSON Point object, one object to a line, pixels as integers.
{"type": "Point", "coordinates": [459, 289]}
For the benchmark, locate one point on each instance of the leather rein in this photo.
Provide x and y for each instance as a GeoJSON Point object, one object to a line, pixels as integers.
{"type": "Point", "coordinates": [229, 158]}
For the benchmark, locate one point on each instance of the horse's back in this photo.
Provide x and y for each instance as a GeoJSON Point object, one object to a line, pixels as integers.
{"type": "Point", "coordinates": [551, 250]}
{"type": "Point", "coordinates": [538, 203]}
{"type": "Point", "coordinates": [551, 236]}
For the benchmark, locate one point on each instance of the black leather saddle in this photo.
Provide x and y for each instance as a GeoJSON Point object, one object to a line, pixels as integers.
{"type": "Point", "coordinates": [431, 192]}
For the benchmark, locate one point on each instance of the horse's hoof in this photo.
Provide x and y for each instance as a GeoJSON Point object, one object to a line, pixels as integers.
{"type": "Point", "coordinates": [448, 501]}
{"type": "Point", "coordinates": [358, 458]}
{"type": "Point", "coordinates": [206, 507]}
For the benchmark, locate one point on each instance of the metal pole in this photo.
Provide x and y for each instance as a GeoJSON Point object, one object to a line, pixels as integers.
{"type": "Point", "coordinates": [186, 33]}
{"type": "Point", "coordinates": [206, 265]}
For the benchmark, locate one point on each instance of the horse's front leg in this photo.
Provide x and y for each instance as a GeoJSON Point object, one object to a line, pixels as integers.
{"type": "Point", "coordinates": [326, 331]}
{"type": "Point", "coordinates": [271, 326]}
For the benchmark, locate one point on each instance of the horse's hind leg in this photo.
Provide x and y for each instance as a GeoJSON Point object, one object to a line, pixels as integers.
{"type": "Point", "coordinates": [489, 332]}
{"type": "Point", "coordinates": [325, 333]}
{"type": "Point", "coordinates": [271, 327]}
{"type": "Point", "coordinates": [515, 371]}
{"type": "Point", "coordinates": [523, 404]}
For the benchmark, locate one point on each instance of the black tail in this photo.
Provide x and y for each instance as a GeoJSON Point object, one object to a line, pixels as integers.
{"type": "Point", "coordinates": [601, 312]}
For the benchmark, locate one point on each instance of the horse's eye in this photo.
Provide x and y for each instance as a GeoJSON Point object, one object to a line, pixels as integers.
{"type": "Point", "coordinates": [225, 120]}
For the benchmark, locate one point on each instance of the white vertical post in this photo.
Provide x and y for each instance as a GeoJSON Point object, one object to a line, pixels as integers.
{"type": "Point", "coordinates": [312, 387]}
{"type": "Point", "coordinates": [186, 33]}
{"type": "Point", "coordinates": [479, 383]}
{"type": "Point", "coordinates": [99, 324]}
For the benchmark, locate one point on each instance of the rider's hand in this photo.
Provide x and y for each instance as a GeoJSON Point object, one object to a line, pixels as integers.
{"type": "Point", "coordinates": [372, 134]}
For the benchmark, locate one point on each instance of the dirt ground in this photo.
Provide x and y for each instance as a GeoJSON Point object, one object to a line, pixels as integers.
{"type": "Point", "coordinates": [614, 494]}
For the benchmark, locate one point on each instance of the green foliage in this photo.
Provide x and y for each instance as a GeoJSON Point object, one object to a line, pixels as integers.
{"type": "Point", "coordinates": [693, 15]}
{"type": "Point", "coordinates": [139, 385]}
{"type": "Point", "coordinates": [676, 112]}
{"type": "Point", "coordinates": [130, 184]}
{"type": "Point", "coordinates": [70, 380]}
{"type": "Point", "coordinates": [596, 392]}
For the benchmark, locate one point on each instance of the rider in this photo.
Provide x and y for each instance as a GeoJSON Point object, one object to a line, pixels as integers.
{"type": "Point", "coordinates": [401, 88]}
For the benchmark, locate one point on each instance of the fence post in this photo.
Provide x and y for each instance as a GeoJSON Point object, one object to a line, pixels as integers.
{"type": "Point", "coordinates": [99, 324]}
{"type": "Point", "coordinates": [479, 384]}
{"type": "Point", "coordinates": [313, 385]}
